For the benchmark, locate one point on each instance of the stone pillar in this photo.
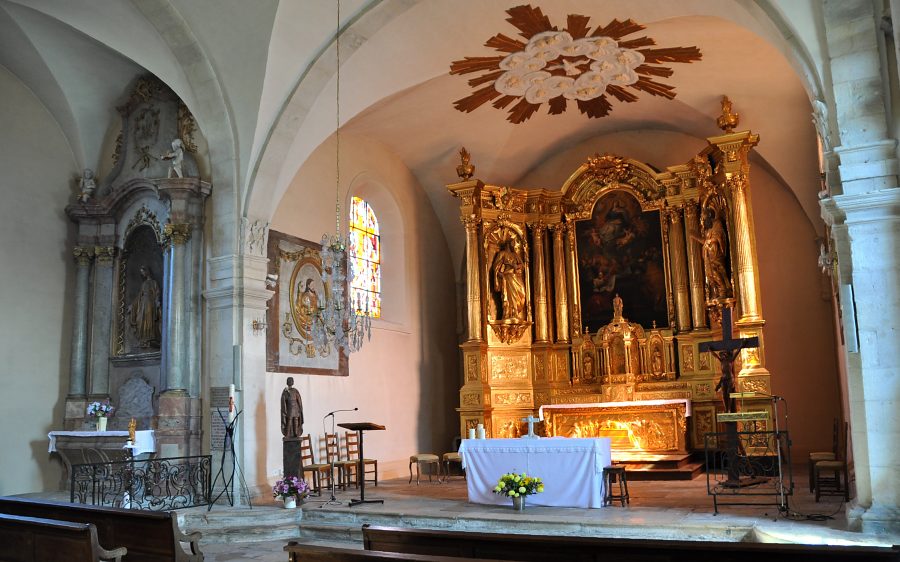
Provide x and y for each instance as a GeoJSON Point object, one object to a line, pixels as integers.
{"type": "Point", "coordinates": [177, 367]}
{"type": "Point", "coordinates": [541, 316]}
{"type": "Point", "coordinates": [865, 218]}
{"type": "Point", "coordinates": [559, 276]}
{"type": "Point", "coordinates": [695, 265]}
{"type": "Point", "coordinates": [679, 270]}
{"type": "Point", "coordinates": [473, 278]}
{"type": "Point", "coordinates": [78, 360]}
{"type": "Point", "coordinates": [873, 224]}
{"type": "Point", "coordinates": [101, 314]}
{"type": "Point", "coordinates": [866, 151]}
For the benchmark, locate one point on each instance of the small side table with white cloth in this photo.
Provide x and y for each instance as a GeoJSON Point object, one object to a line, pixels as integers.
{"type": "Point", "coordinates": [571, 469]}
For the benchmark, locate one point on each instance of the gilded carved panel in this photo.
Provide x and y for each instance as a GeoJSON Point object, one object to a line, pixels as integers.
{"type": "Point", "coordinates": [703, 391]}
{"type": "Point", "coordinates": [703, 419]}
{"type": "Point", "coordinates": [509, 367]}
{"type": "Point", "coordinates": [687, 358]}
{"type": "Point", "coordinates": [755, 384]}
{"type": "Point", "coordinates": [504, 398]}
{"type": "Point", "coordinates": [540, 373]}
{"type": "Point", "coordinates": [470, 399]}
{"type": "Point", "coordinates": [658, 428]}
{"type": "Point", "coordinates": [472, 367]}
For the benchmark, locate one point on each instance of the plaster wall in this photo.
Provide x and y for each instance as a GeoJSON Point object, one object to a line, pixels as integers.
{"type": "Point", "coordinates": [406, 377]}
{"type": "Point", "coordinates": [799, 334]}
{"type": "Point", "coordinates": [36, 267]}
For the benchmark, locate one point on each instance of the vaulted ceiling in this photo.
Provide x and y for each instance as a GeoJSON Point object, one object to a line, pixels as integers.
{"type": "Point", "coordinates": [274, 67]}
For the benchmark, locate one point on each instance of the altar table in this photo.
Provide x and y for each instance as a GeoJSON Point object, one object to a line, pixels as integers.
{"type": "Point", "coordinates": [77, 447]}
{"type": "Point", "coordinates": [571, 469]}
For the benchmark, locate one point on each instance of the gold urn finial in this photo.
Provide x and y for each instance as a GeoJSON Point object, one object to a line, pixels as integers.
{"type": "Point", "coordinates": [465, 170]}
{"type": "Point", "coordinates": [728, 120]}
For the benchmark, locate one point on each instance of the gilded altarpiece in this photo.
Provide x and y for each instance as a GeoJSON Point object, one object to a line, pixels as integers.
{"type": "Point", "coordinates": [601, 291]}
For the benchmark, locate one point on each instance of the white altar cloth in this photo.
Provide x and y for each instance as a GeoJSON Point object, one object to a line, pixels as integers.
{"type": "Point", "coordinates": [685, 401]}
{"type": "Point", "coordinates": [145, 440]}
{"type": "Point", "coordinates": [571, 469]}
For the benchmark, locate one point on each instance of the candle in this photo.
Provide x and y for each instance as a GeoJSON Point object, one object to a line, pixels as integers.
{"type": "Point", "coordinates": [231, 408]}
{"type": "Point", "coordinates": [471, 433]}
{"type": "Point", "coordinates": [231, 391]}
{"type": "Point", "coordinates": [480, 431]}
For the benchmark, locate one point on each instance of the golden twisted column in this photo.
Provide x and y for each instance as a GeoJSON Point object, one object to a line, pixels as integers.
{"type": "Point", "coordinates": [473, 279]}
{"type": "Point", "coordinates": [695, 264]}
{"type": "Point", "coordinates": [559, 275]}
{"type": "Point", "coordinates": [541, 314]}
{"type": "Point", "coordinates": [679, 270]}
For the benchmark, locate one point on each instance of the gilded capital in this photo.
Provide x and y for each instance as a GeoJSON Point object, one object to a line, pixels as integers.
{"type": "Point", "coordinates": [177, 233]}
{"type": "Point", "coordinates": [105, 254]}
{"type": "Point", "coordinates": [470, 221]}
{"type": "Point", "coordinates": [538, 226]}
{"type": "Point", "coordinates": [83, 254]}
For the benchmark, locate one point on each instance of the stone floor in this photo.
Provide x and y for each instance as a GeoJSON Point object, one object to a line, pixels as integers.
{"type": "Point", "coordinates": [680, 509]}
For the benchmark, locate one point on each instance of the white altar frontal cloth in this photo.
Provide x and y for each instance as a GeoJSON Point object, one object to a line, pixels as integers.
{"type": "Point", "coordinates": [145, 440]}
{"type": "Point", "coordinates": [571, 469]}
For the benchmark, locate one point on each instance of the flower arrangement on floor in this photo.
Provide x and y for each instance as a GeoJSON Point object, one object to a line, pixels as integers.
{"type": "Point", "coordinates": [100, 409]}
{"type": "Point", "coordinates": [290, 487]}
{"type": "Point", "coordinates": [514, 485]}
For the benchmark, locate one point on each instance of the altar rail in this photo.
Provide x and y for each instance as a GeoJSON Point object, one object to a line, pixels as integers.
{"type": "Point", "coordinates": [755, 470]}
{"type": "Point", "coordinates": [156, 484]}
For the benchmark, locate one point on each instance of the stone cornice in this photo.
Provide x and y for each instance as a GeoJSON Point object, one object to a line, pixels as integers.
{"type": "Point", "coordinates": [873, 206]}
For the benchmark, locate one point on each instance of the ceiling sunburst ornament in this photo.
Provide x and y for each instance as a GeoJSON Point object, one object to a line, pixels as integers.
{"type": "Point", "coordinates": [557, 66]}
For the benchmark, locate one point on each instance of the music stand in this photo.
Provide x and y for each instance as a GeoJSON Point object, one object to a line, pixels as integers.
{"type": "Point", "coordinates": [361, 467]}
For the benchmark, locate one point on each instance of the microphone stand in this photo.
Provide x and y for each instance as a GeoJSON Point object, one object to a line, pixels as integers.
{"type": "Point", "coordinates": [333, 500]}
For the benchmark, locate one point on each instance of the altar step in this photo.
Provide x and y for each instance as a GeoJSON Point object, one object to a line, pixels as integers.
{"type": "Point", "coordinates": [642, 466]}
{"type": "Point", "coordinates": [241, 524]}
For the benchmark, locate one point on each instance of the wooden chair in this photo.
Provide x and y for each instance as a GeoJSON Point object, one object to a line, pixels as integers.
{"type": "Point", "coordinates": [351, 438]}
{"type": "Point", "coordinates": [832, 478]}
{"type": "Point", "coordinates": [831, 455]}
{"type": "Point", "coordinates": [452, 458]}
{"type": "Point", "coordinates": [321, 472]}
{"type": "Point", "coordinates": [333, 456]}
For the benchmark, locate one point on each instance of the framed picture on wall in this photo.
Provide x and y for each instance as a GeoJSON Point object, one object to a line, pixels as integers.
{"type": "Point", "coordinates": [299, 289]}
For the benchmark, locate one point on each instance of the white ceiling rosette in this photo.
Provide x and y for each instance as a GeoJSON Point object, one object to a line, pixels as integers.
{"type": "Point", "coordinates": [557, 66]}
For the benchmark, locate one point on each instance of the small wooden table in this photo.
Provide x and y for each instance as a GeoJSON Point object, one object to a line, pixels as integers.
{"type": "Point", "coordinates": [359, 428]}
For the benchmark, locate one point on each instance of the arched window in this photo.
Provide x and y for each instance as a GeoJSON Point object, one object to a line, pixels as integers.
{"type": "Point", "coordinates": [365, 259]}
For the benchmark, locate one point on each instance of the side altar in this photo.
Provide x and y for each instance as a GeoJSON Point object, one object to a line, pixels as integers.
{"type": "Point", "coordinates": [602, 291]}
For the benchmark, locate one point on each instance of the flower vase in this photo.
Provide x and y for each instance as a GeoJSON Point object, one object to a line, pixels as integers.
{"type": "Point", "coordinates": [519, 503]}
{"type": "Point", "coordinates": [101, 424]}
{"type": "Point", "coordinates": [290, 502]}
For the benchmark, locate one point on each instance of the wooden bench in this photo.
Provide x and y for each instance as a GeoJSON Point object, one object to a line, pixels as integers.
{"type": "Point", "coordinates": [150, 536]}
{"type": "Point", "coordinates": [314, 553]}
{"type": "Point", "coordinates": [32, 539]}
{"type": "Point", "coordinates": [550, 548]}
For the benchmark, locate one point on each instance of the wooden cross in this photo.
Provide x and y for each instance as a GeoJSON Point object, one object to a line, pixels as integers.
{"type": "Point", "coordinates": [726, 351]}
{"type": "Point", "coordinates": [531, 421]}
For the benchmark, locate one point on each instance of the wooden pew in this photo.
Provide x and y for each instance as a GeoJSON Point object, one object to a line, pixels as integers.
{"type": "Point", "coordinates": [530, 548]}
{"type": "Point", "coordinates": [149, 536]}
{"type": "Point", "coordinates": [32, 539]}
{"type": "Point", "coordinates": [314, 553]}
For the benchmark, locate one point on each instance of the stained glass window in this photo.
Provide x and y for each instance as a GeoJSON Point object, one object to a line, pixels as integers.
{"type": "Point", "coordinates": [365, 259]}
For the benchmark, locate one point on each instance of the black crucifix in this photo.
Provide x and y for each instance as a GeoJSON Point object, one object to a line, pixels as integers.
{"type": "Point", "coordinates": [726, 351]}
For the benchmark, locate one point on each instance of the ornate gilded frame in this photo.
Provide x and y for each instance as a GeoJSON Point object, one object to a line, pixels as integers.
{"type": "Point", "coordinates": [286, 345]}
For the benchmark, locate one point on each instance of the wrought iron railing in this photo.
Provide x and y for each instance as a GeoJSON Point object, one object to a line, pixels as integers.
{"type": "Point", "coordinates": [749, 468]}
{"type": "Point", "coordinates": [156, 484]}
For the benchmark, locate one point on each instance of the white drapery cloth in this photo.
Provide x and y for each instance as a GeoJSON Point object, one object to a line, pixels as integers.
{"type": "Point", "coordinates": [571, 469]}
{"type": "Point", "coordinates": [145, 440]}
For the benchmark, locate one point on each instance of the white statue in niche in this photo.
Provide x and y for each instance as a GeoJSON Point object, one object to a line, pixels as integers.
{"type": "Point", "coordinates": [176, 155]}
{"type": "Point", "coordinates": [88, 184]}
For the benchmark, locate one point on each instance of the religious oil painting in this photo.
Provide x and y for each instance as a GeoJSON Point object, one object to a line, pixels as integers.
{"type": "Point", "coordinates": [620, 252]}
{"type": "Point", "coordinates": [299, 294]}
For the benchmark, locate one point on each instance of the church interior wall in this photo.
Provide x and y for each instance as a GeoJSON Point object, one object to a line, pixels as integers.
{"type": "Point", "coordinates": [36, 275]}
{"type": "Point", "coordinates": [800, 346]}
{"type": "Point", "coordinates": [404, 378]}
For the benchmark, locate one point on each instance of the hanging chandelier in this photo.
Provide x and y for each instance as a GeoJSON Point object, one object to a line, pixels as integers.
{"type": "Point", "coordinates": [336, 323]}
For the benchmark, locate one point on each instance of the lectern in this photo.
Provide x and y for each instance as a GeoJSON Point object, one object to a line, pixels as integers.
{"type": "Point", "coordinates": [359, 428]}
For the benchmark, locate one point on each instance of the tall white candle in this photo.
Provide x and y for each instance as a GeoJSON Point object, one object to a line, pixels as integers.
{"type": "Point", "coordinates": [471, 433]}
{"type": "Point", "coordinates": [231, 408]}
{"type": "Point", "coordinates": [231, 391]}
